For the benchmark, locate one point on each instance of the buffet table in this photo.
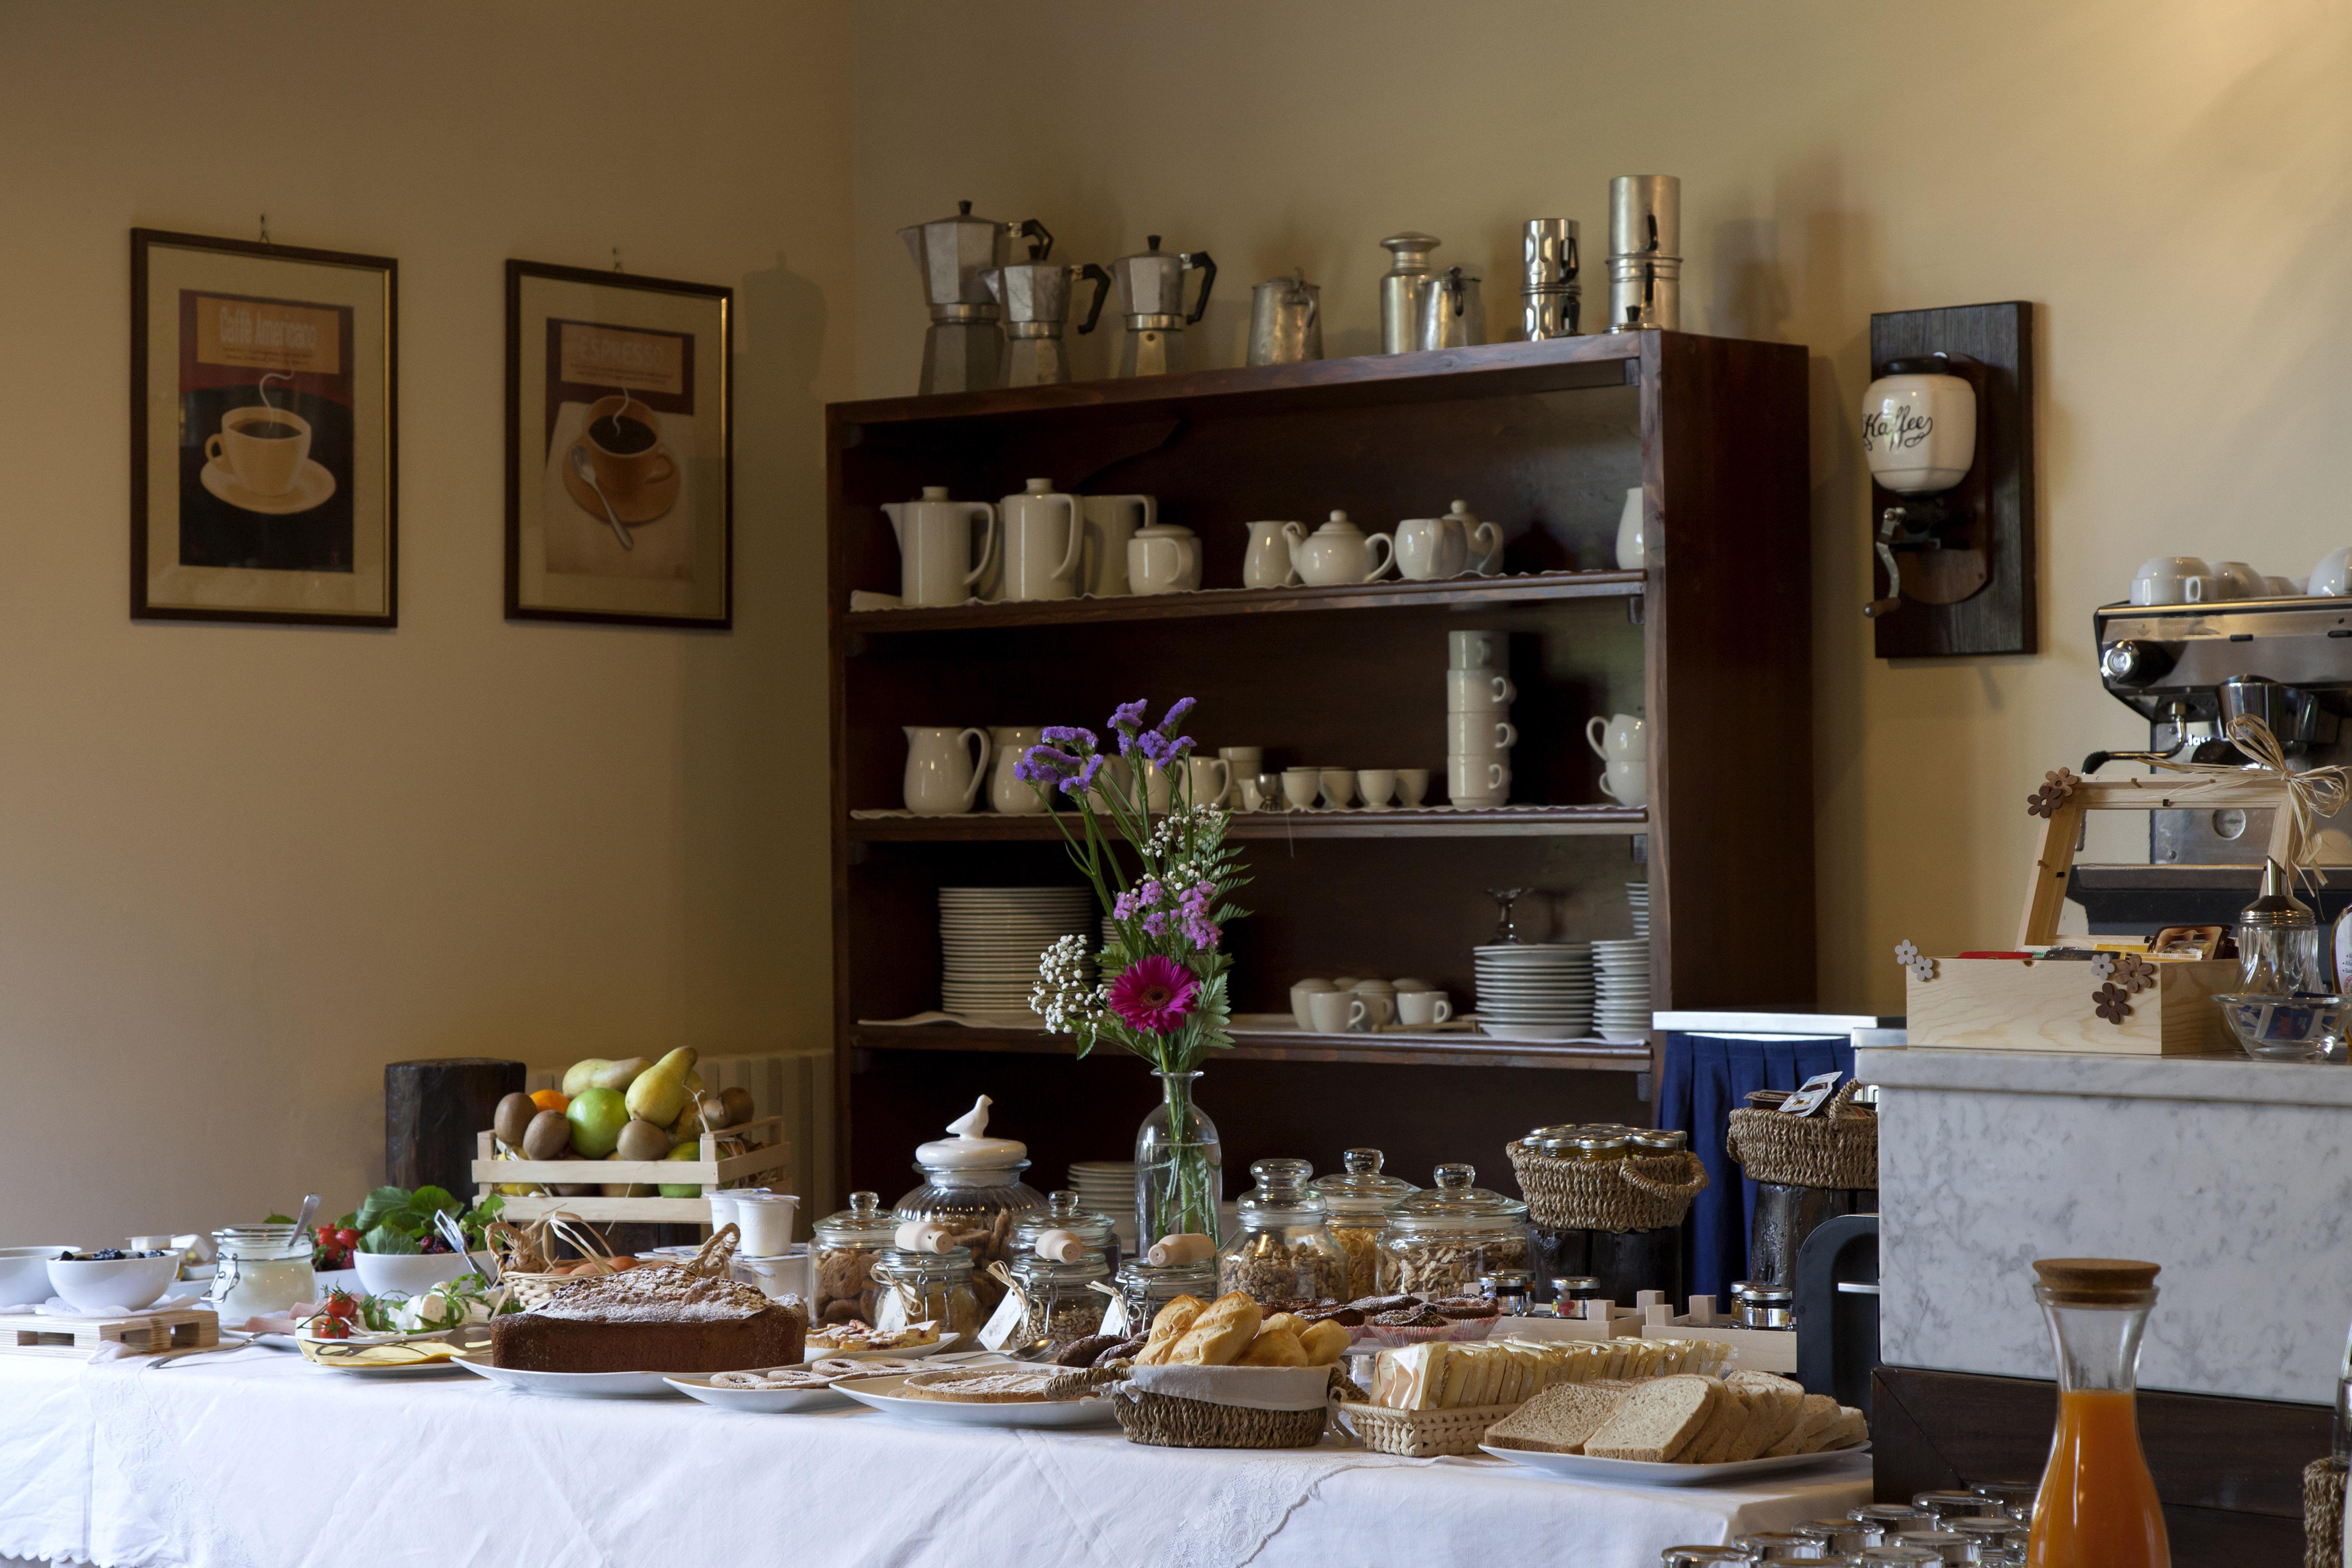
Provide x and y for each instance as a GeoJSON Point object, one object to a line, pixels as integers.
{"type": "Point", "coordinates": [251, 1458]}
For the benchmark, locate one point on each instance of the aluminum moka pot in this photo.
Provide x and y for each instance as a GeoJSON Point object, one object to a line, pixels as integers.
{"type": "Point", "coordinates": [1035, 295]}
{"type": "Point", "coordinates": [1151, 296]}
{"type": "Point", "coordinates": [1285, 320]}
{"type": "Point", "coordinates": [963, 351]}
{"type": "Point", "coordinates": [1453, 315]}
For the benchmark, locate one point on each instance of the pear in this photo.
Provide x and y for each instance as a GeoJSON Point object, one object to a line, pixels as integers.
{"type": "Point", "coordinates": [694, 1081]}
{"type": "Point", "coordinates": [621, 1074]}
{"type": "Point", "coordinates": [683, 1189]}
{"type": "Point", "coordinates": [582, 1074]}
{"type": "Point", "coordinates": [659, 1093]}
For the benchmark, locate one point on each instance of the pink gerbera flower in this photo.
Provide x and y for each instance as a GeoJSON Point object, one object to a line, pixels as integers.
{"type": "Point", "coordinates": [1154, 994]}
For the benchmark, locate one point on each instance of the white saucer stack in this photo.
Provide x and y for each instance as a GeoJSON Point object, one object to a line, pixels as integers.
{"type": "Point", "coordinates": [992, 938]}
{"type": "Point", "coordinates": [1637, 894]}
{"type": "Point", "coordinates": [1108, 1187]}
{"type": "Point", "coordinates": [1624, 1013]}
{"type": "Point", "coordinates": [1534, 991]}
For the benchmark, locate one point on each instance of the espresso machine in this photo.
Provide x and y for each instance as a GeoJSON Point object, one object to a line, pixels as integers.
{"type": "Point", "coordinates": [965, 349]}
{"type": "Point", "coordinates": [1151, 295]}
{"type": "Point", "coordinates": [1035, 295]}
{"type": "Point", "coordinates": [2188, 671]}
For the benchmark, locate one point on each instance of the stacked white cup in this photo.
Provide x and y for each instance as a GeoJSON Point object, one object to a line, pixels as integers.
{"type": "Point", "coordinates": [1622, 742]}
{"type": "Point", "coordinates": [1479, 731]}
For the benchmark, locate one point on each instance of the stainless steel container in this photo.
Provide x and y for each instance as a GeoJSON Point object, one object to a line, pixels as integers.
{"type": "Point", "coordinates": [1549, 253]}
{"type": "Point", "coordinates": [1453, 312]}
{"type": "Point", "coordinates": [1285, 320]}
{"type": "Point", "coordinates": [1645, 214]}
{"type": "Point", "coordinates": [1645, 292]}
{"type": "Point", "coordinates": [1400, 288]}
{"type": "Point", "coordinates": [1550, 312]}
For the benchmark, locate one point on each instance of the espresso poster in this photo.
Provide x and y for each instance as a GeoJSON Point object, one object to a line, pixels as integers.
{"type": "Point", "coordinates": [265, 433]}
{"type": "Point", "coordinates": [618, 449]}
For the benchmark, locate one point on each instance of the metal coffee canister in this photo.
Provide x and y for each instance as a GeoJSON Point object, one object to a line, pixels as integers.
{"type": "Point", "coordinates": [1550, 299]}
{"type": "Point", "coordinates": [1285, 320]}
{"type": "Point", "coordinates": [1645, 252]}
{"type": "Point", "coordinates": [1400, 289]}
{"type": "Point", "coordinates": [1453, 313]}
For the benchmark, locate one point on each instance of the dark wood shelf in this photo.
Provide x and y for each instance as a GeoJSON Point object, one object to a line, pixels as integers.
{"type": "Point", "coordinates": [1450, 593]}
{"type": "Point", "coordinates": [1516, 822]}
{"type": "Point", "coordinates": [1448, 1049]}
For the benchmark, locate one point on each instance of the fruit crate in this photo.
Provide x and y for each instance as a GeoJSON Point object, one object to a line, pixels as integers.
{"type": "Point", "coordinates": [710, 1171]}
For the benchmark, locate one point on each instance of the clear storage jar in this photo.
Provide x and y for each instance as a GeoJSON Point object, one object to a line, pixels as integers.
{"type": "Point", "coordinates": [1358, 1200]}
{"type": "Point", "coordinates": [1144, 1289]}
{"type": "Point", "coordinates": [972, 1183]}
{"type": "Point", "coordinates": [848, 1243]}
{"type": "Point", "coordinates": [1060, 1303]}
{"type": "Point", "coordinates": [261, 1268]}
{"type": "Point", "coordinates": [1064, 1212]}
{"type": "Point", "coordinates": [1445, 1237]}
{"type": "Point", "coordinates": [1284, 1252]}
{"type": "Point", "coordinates": [927, 1286]}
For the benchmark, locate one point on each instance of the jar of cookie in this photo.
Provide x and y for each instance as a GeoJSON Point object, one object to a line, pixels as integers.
{"type": "Point", "coordinates": [928, 1288]}
{"type": "Point", "coordinates": [842, 1259]}
{"type": "Point", "coordinates": [1359, 1200]}
{"type": "Point", "coordinates": [1443, 1239]}
{"type": "Point", "coordinates": [972, 1184]}
{"type": "Point", "coordinates": [1284, 1252]}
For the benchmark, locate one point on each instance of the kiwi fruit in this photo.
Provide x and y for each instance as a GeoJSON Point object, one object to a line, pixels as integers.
{"type": "Point", "coordinates": [512, 1117]}
{"type": "Point", "coordinates": [545, 1137]}
{"type": "Point", "coordinates": [739, 1105]}
{"type": "Point", "coordinates": [642, 1141]}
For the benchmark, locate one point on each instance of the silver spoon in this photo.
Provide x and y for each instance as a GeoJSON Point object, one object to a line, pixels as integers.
{"type": "Point", "coordinates": [587, 472]}
{"type": "Point", "coordinates": [303, 1215]}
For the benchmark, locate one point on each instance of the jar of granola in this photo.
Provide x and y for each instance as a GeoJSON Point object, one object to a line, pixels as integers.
{"type": "Point", "coordinates": [1064, 1212]}
{"type": "Point", "coordinates": [1059, 1301]}
{"type": "Point", "coordinates": [1359, 1201]}
{"type": "Point", "coordinates": [928, 1288]}
{"type": "Point", "coordinates": [1144, 1289]}
{"type": "Point", "coordinates": [972, 1183]}
{"type": "Point", "coordinates": [1284, 1252]}
{"type": "Point", "coordinates": [842, 1256]}
{"type": "Point", "coordinates": [1445, 1237]}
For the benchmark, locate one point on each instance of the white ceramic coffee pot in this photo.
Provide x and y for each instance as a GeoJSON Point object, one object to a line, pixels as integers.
{"type": "Point", "coordinates": [935, 564]}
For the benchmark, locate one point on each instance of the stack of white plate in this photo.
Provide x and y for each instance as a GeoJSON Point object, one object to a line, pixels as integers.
{"type": "Point", "coordinates": [1534, 991]}
{"type": "Point", "coordinates": [1107, 1187]}
{"type": "Point", "coordinates": [992, 938]}
{"type": "Point", "coordinates": [1624, 1013]}
{"type": "Point", "coordinates": [1637, 894]}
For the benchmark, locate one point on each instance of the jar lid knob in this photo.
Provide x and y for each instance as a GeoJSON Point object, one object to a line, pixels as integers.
{"type": "Point", "coordinates": [864, 1203]}
{"type": "Point", "coordinates": [1456, 1177]}
{"type": "Point", "coordinates": [1363, 1161]}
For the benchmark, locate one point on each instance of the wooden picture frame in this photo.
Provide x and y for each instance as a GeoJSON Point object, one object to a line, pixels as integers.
{"type": "Point", "coordinates": [264, 433]}
{"type": "Point", "coordinates": [633, 526]}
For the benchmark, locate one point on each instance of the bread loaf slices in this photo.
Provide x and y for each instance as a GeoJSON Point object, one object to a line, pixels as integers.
{"type": "Point", "coordinates": [1814, 1414]}
{"type": "Point", "coordinates": [1775, 1403]}
{"type": "Point", "coordinates": [1657, 1420]}
{"type": "Point", "coordinates": [1558, 1420]}
{"type": "Point", "coordinates": [1722, 1429]}
{"type": "Point", "coordinates": [1850, 1429]}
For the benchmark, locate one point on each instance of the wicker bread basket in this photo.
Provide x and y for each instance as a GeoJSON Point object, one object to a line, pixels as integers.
{"type": "Point", "coordinates": [1836, 1148]}
{"type": "Point", "coordinates": [1165, 1421]}
{"type": "Point", "coordinates": [1420, 1434]}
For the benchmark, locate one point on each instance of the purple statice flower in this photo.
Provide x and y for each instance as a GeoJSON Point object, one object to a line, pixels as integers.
{"type": "Point", "coordinates": [1045, 765]}
{"type": "Point", "coordinates": [1084, 779]}
{"type": "Point", "coordinates": [1135, 901]}
{"type": "Point", "coordinates": [1192, 915]}
{"type": "Point", "coordinates": [1081, 740]}
{"type": "Point", "coordinates": [1127, 717]}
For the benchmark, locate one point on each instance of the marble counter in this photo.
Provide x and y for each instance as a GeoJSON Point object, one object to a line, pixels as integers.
{"type": "Point", "coordinates": [2235, 1175]}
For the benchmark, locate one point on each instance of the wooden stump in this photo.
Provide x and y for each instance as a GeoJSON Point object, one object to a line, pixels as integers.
{"type": "Point", "coordinates": [432, 1108]}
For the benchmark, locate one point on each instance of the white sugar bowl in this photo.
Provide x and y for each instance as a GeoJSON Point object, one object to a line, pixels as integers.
{"type": "Point", "coordinates": [1920, 427]}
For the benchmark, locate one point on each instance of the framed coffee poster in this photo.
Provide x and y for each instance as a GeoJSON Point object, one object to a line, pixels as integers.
{"type": "Point", "coordinates": [620, 448]}
{"type": "Point", "coordinates": [262, 433]}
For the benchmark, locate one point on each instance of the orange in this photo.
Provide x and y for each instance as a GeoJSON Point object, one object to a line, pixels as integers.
{"type": "Point", "coordinates": [551, 1100]}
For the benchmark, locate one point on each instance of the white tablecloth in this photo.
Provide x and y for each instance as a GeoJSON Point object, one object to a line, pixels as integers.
{"type": "Point", "coordinates": [253, 1459]}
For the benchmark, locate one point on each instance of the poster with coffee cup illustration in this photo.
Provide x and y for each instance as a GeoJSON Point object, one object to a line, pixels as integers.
{"type": "Point", "coordinates": [618, 449]}
{"type": "Point", "coordinates": [262, 433]}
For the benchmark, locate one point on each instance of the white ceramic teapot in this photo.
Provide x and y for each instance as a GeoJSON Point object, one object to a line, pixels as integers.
{"type": "Point", "coordinates": [935, 564]}
{"type": "Point", "coordinates": [1337, 552]}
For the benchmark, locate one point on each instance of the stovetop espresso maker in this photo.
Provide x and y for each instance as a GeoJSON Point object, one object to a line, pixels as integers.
{"type": "Point", "coordinates": [965, 349]}
{"type": "Point", "coordinates": [1151, 294]}
{"type": "Point", "coordinates": [1035, 295]}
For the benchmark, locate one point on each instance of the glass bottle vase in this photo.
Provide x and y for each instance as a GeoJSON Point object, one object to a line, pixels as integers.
{"type": "Point", "coordinates": [2097, 1507]}
{"type": "Point", "coordinates": [1178, 1166]}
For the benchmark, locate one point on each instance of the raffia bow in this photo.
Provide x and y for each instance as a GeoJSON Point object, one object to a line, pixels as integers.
{"type": "Point", "coordinates": [2311, 796]}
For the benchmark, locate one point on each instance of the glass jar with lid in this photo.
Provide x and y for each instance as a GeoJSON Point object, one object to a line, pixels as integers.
{"type": "Point", "coordinates": [1652, 1142]}
{"type": "Point", "coordinates": [1359, 1201]}
{"type": "Point", "coordinates": [972, 1183]}
{"type": "Point", "coordinates": [1059, 1301]}
{"type": "Point", "coordinates": [848, 1243]}
{"type": "Point", "coordinates": [926, 1287]}
{"type": "Point", "coordinates": [1063, 1211]}
{"type": "Point", "coordinates": [1144, 1289]}
{"type": "Point", "coordinates": [1443, 1237]}
{"type": "Point", "coordinates": [1284, 1251]}
{"type": "Point", "coordinates": [1596, 1145]}
{"type": "Point", "coordinates": [261, 1268]}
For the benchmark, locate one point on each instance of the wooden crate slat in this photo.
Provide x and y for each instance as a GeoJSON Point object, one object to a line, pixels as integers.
{"type": "Point", "coordinates": [32, 1334]}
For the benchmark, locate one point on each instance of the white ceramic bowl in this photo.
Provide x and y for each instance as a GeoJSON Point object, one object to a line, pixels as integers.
{"type": "Point", "coordinates": [115, 1284]}
{"type": "Point", "coordinates": [410, 1274]}
{"type": "Point", "coordinates": [25, 1274]}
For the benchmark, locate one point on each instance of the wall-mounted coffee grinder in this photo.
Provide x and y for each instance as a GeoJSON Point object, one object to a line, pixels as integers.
{"type": "Point", "coordinates": [965, 349]}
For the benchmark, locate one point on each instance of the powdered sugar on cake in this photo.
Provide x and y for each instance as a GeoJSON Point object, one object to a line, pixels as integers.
{"type": "Point", "coordinates": [655, 1296]}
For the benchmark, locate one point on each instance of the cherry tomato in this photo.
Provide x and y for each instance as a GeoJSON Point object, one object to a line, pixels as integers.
{"type": "Point", "coordinates": [326, 1328]}
{"type": "Point", "coordinates": [341, 1305]}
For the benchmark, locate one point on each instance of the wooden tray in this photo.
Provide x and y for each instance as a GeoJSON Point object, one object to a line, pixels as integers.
{"type": "Point", "coordinates": [2045, 1005]}
{"type": "Point", "coordinates": [80, 1338]}
{"type": "Point", "coordinates": [710, 1171]}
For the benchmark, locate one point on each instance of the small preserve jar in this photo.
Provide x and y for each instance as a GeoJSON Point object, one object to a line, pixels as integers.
{"type": "Point", "coordinates": [1060, 1303]}
{"type": "Point", "coordinates": [1144, 1289]}
{"type": "Point", "coordinates": [261, 1268]}
{"type": "Point", "coordinates": [1284, 1251]}
{"type": "Point", "coordinates": [972, 1183]}
{"type": "Point", "coordinates": [926, 1287]}
{"type": "Point", "coordinates": [1359, 1203]}
{"type": "Point", "coordinates": [1064, 1212]}
{"type": "Point", "coordinates": [847, 1245]}
{"type": "Point", "coordinates": [1447, 1236]}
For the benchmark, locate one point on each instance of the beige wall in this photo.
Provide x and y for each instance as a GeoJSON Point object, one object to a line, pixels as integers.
{"type": "Point", "coordinates": [242, 867]}
{"type": "Point", "coordinates": [2170, 181]}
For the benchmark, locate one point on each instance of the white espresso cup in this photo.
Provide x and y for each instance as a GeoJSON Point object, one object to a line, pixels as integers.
{"type": "Point", "coordinates": [1379, 1000]}
{"type": "Point", "coordinates": [1617, 738]}
{"type": "Point", "coordinates": [1482, 778]}
{"type": "Point", "coordinates": [1302, 992]}
{"type": "Point", "coordinates": [1412, 787]}
{"type": "Point", "coordinates": [2172, 580]}
{"type": "Point", "coordinates": [1467, 733]}
{"type": "Point", "coordinates": [1626, 782]}
{"type": "Point", "coordinates": [1420, 1009]}
{"type": "Point", "coordinates": [1478, 691]}
{"type": "Point", "coordinates": [1478, 650]}
{"type": "Point", "coordinates": [1333, 1012]}
{"type": "Point", "coordinates": [265, 464]}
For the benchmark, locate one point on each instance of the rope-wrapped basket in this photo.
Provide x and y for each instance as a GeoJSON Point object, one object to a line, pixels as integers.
{"type": "Point", "coordinates": [1648, 1192]}
{"type": "Point", "coordinates": [2323, 1514]}
{"type": "Point", "coordinates": [1836, 1148]}
{"type": "Point", "coordinates": [1166, 1421]}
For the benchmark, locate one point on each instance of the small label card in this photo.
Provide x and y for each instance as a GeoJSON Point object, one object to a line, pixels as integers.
{"type": "Point", "coordinates": [1815, 1094]}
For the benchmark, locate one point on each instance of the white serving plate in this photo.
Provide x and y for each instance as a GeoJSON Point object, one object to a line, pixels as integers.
{"type": "Point", "coordinates": [880, 1393]}
{"type": "Point", "coordinates": [570, 1384]}
{"type": "Point", "coordinates": [1642, 1473]}
{"type": "Point", "coordinates": [758, 1401]}
{"type": "Point", "coordinates": [912, 1353]}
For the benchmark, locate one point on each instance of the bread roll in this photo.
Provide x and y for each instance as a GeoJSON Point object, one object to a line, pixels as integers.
{"type": "Point", "coordinates": [1324, 1343]}
{"type": "Point", "coordinates": [1286, 1322]}
{"type": "Point", "coordinates": [1277, 1347]}
{"type": "Point", "coordinates": [1219, 1335]}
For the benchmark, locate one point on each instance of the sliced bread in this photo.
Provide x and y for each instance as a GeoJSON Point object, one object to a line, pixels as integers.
{"type": "Point", "coordinates": [1775, 1403]}
{"type": "Point", "coordinates": [1657, 1421]}
{"type": "Point", "coordinates": [1729, 1419]}
{"type": "Point", "coordinates": [1850, 1429]}
{"type": "Point", "coordinates": [1558, 1420]}
{"type": "Point", "coordinates": [1814, 1413]}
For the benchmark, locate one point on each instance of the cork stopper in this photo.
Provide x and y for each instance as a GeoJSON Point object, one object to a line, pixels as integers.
{"type": "Point", "coordinates": [2096, 1281]}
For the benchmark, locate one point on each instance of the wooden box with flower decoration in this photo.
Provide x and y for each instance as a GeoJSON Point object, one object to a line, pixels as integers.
{"type": "Point", "coordinates": [2107, 1003]}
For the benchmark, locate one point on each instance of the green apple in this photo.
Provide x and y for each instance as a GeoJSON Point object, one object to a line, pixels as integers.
{"type": "Point", "coordinates": [597, 1116]}
{"type": "Point", "coordinates": [691, 1149]}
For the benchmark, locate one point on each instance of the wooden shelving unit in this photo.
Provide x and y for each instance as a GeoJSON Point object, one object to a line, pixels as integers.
{"type": "Point", "coordinates": [1712, 642]}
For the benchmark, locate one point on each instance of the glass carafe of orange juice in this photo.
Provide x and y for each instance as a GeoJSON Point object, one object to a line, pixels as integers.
{"type": "Point", "coordinates": [2097, 1506]}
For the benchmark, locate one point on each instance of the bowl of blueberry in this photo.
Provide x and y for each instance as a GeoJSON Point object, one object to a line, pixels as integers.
{"type": "Point", "coordinates": [25, 1274]}
{"type": "Point", "coordinates": [111, 1279]}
